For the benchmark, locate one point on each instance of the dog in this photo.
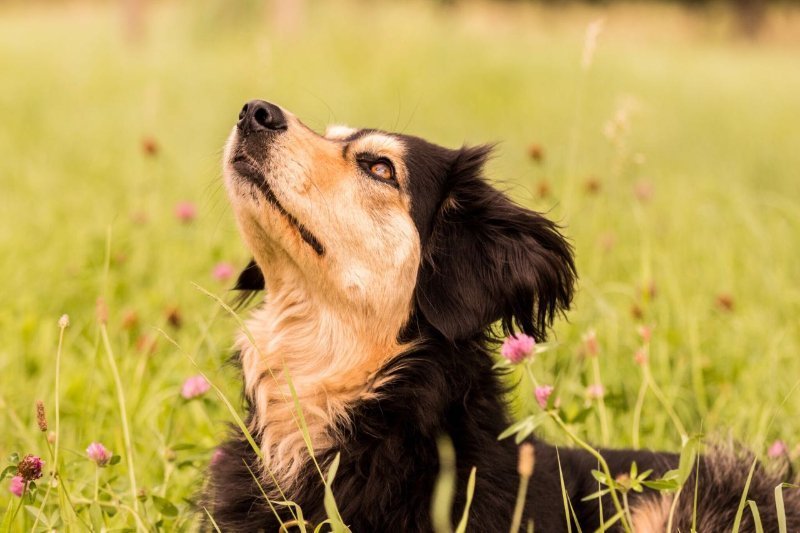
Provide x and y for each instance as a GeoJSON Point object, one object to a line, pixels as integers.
{"type": "Point", "coordinates": [392, 268]}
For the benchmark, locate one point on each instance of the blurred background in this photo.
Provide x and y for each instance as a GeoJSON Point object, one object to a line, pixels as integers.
{"type": "Point", "coordinates": [663, 136]}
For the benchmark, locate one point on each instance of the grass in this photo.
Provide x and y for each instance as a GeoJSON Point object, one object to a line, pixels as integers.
{"type": "Point", "coordinates": [691, 229]}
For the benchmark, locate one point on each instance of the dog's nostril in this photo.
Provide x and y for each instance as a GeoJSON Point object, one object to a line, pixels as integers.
{"type": "Point", "coordinates": [261, 116]}
{"type": "Point", "coordinates": [258, 115]}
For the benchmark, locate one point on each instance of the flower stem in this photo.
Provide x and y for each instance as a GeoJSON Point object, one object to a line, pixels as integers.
{"type": "Point", "coordinates": [520, 505]}
{"type": "Point", "coordinates": [57, 400]}
{"type": "Point", "coordinates": [667, 406]}
{"type": "Point", "coordinates": [126, 434]}
{"type": "Point", "coordinates": [601, 402]}
{"type": "Point", "coordinates": [637, 412]}
{"type": "Point", "coordinates": [627, 507]}
{"type": "Point", "coordinates": [21, 499]}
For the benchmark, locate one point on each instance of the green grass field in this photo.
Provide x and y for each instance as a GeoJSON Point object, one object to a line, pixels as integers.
{"type": "Point", "coordinates": [672, 162]}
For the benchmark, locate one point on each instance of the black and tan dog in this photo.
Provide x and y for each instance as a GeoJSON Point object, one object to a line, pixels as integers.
{"type": "Point", "coordinates": [386, 261]}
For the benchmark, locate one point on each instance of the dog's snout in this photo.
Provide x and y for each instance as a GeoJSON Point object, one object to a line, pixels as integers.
{"type": "Point", "coordinates": [258, 115]}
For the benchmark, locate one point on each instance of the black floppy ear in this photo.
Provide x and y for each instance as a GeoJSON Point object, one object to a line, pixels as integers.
{"type": "Point", "coordinates": [490, 259]}
{"type": "Point", "coordinates": [250, 281]}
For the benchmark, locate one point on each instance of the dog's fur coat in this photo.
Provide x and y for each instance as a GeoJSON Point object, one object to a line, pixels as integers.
{"type": "Point", "coordinates": [381, 308]}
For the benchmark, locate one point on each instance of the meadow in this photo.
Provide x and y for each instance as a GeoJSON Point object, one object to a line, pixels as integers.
{"type": "Point", "coordinates": [670, 157]}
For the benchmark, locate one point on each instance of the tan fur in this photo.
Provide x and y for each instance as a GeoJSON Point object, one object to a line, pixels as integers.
{"type": "Point", "coordinates": [327, 323]}
{"type": "Point", "coordinates": [652, 514]}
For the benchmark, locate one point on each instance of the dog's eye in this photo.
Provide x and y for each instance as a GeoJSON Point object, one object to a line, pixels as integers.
{"type": "Point", "coordinates": [381, 170]}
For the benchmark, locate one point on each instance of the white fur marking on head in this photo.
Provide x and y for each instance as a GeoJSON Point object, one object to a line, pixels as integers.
{"type": "Point", "coordinates": [339, 131]}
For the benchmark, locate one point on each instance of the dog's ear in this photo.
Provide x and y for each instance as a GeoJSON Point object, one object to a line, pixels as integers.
{"type": "Point", "coordinates": [489, 259]}
{"type": "Point", "coordinates": [249, 282]}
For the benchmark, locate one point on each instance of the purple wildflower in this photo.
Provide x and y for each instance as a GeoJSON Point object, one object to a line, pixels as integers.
{"type": "Point", "coordinates": [98, 453]}
{"type": "Point", "coordinates": [777, 449]}
{"type": "Point", "coordinates": [17, 486]}
{"type": "Point", "coordinates": [194, 386]}
{"type": "Point", "coordinates": [30, 468]}
{"type": "Point", "coordinates": [518, 347]}
{"type": "Point", "coordinates": [543, 394]}
{"type": "Point", "coordinates": [595, 391]}
{"type": "Point", "coordinates": [223, 271]}
{"type": "Point", "coordinates": [185, 212]}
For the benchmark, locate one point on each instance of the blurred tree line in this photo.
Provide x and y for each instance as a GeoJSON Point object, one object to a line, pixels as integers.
{"type": "Point", "coordinates": [750, 14]}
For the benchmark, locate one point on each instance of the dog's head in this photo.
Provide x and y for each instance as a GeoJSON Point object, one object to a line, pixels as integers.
{"type": "Point", "coordinates": [388, 226]}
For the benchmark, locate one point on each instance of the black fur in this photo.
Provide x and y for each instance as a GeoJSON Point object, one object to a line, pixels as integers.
{"type": "Point", "coordinates": [484, 259]}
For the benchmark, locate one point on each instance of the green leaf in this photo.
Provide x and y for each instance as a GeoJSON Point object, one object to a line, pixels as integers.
{"type": "Point", "coordinates": [14, 458]}
{"type": "Point", "coordinates": [114, 460]}
{"type": "Point", "coordinates": [662, 484]}
{"type": "Point", "coordinates": [164, 506]}
{"type": "Point", "coordinates": [687, 459]}
{"type": "Point", "coordinates": [514, 428]}
{"type": "Point", "coordinates": [9, 470]}
{"type": "Point", "coordinates": [595, 495]}
{"type": "Point", "coordinates": [600, 476]}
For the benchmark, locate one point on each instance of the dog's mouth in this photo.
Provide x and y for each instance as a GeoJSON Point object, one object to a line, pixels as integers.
{"type": "Point", "coordinates": [248, 171]}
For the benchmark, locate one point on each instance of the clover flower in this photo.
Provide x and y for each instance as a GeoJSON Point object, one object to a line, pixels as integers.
{"type": "Point", "coordinates": [30, 468]}
{"type": "Point", "coordinates": [777, 449]}
{"type": "Point", "coordinates": [223, 271]}
{"type": "Point", "coordinates": [590, 343]}
{"type": "Point", "coordinates": [185, 212]}
{"type": "Point", "coordinates": [194, 387]}
{"type": "Point", "coordinates": [518, 347]}
{"type": "Point", "coordinates": [98, 454]}
{"type": "Point", "coordinates": [543, 395]}
{"type": "Point", "coordinates": [17, 486]}
{"type": "Point", "coordinates": [595, 391]}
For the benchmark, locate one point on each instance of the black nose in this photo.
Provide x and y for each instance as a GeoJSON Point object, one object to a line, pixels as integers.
{"type": "Point", "coordinates": [258, 115]}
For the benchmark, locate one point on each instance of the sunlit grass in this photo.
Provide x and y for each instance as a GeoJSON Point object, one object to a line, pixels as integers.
{"type": "Point", "coordinates": [678, 190]}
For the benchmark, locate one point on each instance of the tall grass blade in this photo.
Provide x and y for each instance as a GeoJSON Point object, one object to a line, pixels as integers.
{"type": "Point", "coordinates": [756, 516]}
{"type": "Point", "coordinates": [462, 524]}
{"type": "Point", "coordinates": [336, 522]}
{"type": "Point", "coordinates": [780, 508]}
{"type": "Point", "coordinates": [213, 522]}
{"type": "Point", "coordinates": [743, 501]}
{"type": "Point", "coordinates": [564, 495]}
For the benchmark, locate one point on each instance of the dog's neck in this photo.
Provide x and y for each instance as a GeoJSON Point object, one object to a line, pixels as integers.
{"type": "Point", "coordinates": [303, 351]}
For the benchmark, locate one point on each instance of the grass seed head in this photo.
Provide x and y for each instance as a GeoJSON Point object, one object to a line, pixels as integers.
{"type": "Point", "coordinates": [41, 419]}
{"type": "Point", "coordinates": [527, 460]}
